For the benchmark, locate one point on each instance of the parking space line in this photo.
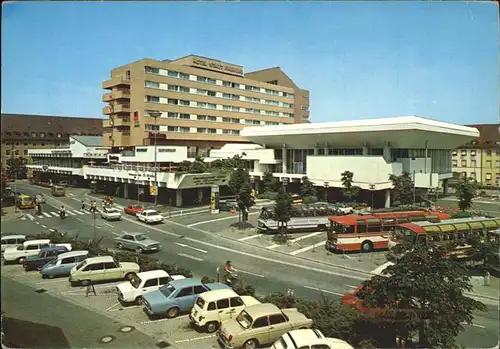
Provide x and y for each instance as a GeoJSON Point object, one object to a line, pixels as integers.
{"type": "Point", "coordinates": [109, 225]}
{"type": "Point", "coordinates": [193, 248]}
{"type": "Point", "coordinates": [71, 213]}
{"type": "Point", "coordinates": [44, 226]}
{"type": "Point", "coordinates": [161, 320]}
{"type": "Point", "coordinates": [113, 306]}
{"type": "Point", "coordinates": [195, 339]}
{"type": "Point", "coordinates": [30, 216]}
{"type": "Point", "coordinates": [126, 308]}
{"type": "Point", "coordinates": [474, 325]}
{"type": "Point", "coordinates": [307, 236]}
{"type": "Point", "coordinates": [81, 220]}
{"type": "Point", "coordinates": [351, 286]}
{"type": "Point", "coordinates": [273, 246]}
{"type": "Point", "coordinates": [190, 257]}
{"type": "Point", "coordinates": [250, 237]}
{"type": "Point", "coordinates": [216, 220]}
{"type": "Point", "coordinates": [80, 213]}
{"type": "Point", "coordinates": [307, 248]}
{"type": "Point", "coordinates": [46, 215]}
{"type": "Point", "coordinates": [249, 273]}
{"type": "Point", "coordinates": [325, 291]}
{"type": "Point", "coordinates": [52, 282]}
{"type": "Point", "coordinates": [37, 222]}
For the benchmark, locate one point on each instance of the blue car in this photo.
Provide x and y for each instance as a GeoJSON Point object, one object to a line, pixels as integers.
{"type": "Point", "coordinates": [62, 265]}
{"type": "Point", "coordinates": [175, 297]}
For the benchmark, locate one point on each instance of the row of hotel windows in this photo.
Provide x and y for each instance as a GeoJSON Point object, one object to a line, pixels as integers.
{"type": "Point", "coordinates": [186, 116]}
{"type": "Point", "coordinates": [210, 93]}
{"type": "Point", "coordinates": [488, 176]}
{"type": "Point", "coordinates": [35, 134]}
{"type": "Point", "coordinates": [184, 76]}
{"type": "Point", "coordinates": [8, 152]}
{"type": "Point", "coordinates": [162, 128]}
{"type": "Point", "coordinates": [463, 152]}
{"type": "Point", "coordinates": [473, 163]}
{"type": "Point", "coordinates": [213, 106]}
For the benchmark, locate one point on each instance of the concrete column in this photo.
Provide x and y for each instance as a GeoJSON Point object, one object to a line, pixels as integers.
{"type": "Point", "coordinates": [387, 198]}
{"type": "Point", "coordinates": [125, 190]}
{"type": "Point", "coordinates": [445, 186]}
{"type": "Point", "coordinates": [285, 160]}
{"type": "Point", "coordinates": [200, 195]}
{"type": "Point", "coordinates": [366, 151]}
{"type": "Point", "coordinates": [257, 185]}
{"type": "Point", "coordinates": [316, 151]}
{"type": "Point", "coordinates": [387, 153]}
{"type": "Point", "coordinates": [178, 198]}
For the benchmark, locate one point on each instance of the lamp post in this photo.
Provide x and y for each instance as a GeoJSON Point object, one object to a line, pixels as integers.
{"type": "Point", "coordinates": [285, 183]}
{"type": "Point", "coordinates": [372, 188]}
{"type": "Point", "coordinates": [326, 185]}
{"type": "Point", "coordinates": [414, 187]}
{"type": "Point", "coordinates": [93, 217]}
{"type": "Point", "coordinates": [155, 115]}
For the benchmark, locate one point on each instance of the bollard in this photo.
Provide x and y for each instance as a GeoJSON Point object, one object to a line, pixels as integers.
{"type": "Point", "coordinates": [487, 280]}
{"type": "Point", "coordinates": [218, 274]}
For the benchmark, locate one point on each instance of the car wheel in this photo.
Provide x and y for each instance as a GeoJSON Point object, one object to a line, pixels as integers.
{"type": "Point", "coordinates": [367, 246]}
{"type": "Point", "coordinates": [20, 260]}
{"type": "Point", "coordinates": [85, 282]}
{"type": "Point", "coordinates": [120, 246]}
{"type": "Point", "coordinates": [129, 276]}
{"type": "Point", "coordinates": [139, 250]}
{"type": "Point", "coordinates": [173, 312]}
{"type": "Point", "coordinates": [138, 300]}
{"type": "Point", "coordinates": [211, 327]}
{"type": "Point", "coordinates": [251, 344]}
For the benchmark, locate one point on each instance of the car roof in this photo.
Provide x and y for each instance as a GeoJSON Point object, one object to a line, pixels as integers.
{"type": "Point", "coordinates": [150, 210]}
{"type": "Point", "coordinates": [153, 273]}
{"type": "Point", "coordinates": [13, 237]}
{"type": "Point", "coordinates": [100, 259]}
{"type": "Point", "coordinates": [213, 295]}
{"type": "Point", "coordinates": [299, 338]}
{"type": "Point", "coordinates": [39, 241]}
{"type": "Point", "coordinates": [262, 309]}
{"type": "Point", "coordinates": [53, 248]}
{"type": "Point", "coordinates": [73, 254]}
{"type": "Point", "coordinates": [185, 282]}
{"type": "Point", "coordinates": [134, 234]}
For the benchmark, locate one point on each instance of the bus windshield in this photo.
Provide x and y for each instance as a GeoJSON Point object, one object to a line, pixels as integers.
{"type": "Point", "coordinates": [340, 228]}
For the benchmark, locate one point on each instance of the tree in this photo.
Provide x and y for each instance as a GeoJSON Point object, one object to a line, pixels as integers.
{"type": "Point", "coordinates": [349, 190]}
{"type": "Point", "coordinates": [403, 188]}
{"type": "Point", "coordinates": [3, 183]}
{"type": "Point", "coordinates": [423, 292]}
{"type": "Point", "coordinates": [238, 178]}
{"type": "Point", "coordinates": [307, 189]}
{"type": "Point", "coordinates": [16, 168]}
{"type": "Point", "coordinates": [198, 165]}
{"type": "Point", "coordinates": [485, 252]}
{"type": "Point", "coordinates": [465, 190]}
{"type": "Point", "coordinates": [245, 201]}
{"type": "Point", "coordinates": [283, 210]}
{"type": "Point", "coordinates": [270, 183]}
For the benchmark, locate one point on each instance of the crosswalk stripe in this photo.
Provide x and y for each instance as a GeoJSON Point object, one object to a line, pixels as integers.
{"type": "Point", "coordinates": [71, 213]}
{"type": "Point", "coordinates": [47, 215]}
{"type": "Point", "coordinates": [55, 214]}
{"type": "Point", "coordinates": [30, 216]}
{"type": "Point", "coordinates": [80, 213]}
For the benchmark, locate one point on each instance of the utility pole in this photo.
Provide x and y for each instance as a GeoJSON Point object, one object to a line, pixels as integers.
{"type": "Point", "coordinates": [414, 188]}
{"type": "Point", "coordinates": [93, 217]}
{"type": "Point", "coordinates": [155, 115]}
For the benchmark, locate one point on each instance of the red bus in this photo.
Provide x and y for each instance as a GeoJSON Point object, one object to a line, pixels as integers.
{"type": "Point", "coordinates": [372, 231]}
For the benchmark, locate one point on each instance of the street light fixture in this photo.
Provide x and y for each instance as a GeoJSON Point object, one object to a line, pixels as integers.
{"type": "Point", "coordinates": [326, 185]}
{"type": "Point", "coordinates": [155, 115]}
{"type": "Point", "coordinates": [372, 189]}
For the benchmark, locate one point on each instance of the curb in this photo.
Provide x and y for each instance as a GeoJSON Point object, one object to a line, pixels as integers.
{"type": "Point", "coordinates": [477, 295]}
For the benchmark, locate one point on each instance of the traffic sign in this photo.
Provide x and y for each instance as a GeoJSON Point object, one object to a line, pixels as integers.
{"type": "Point", "coordinates": [153, 190]}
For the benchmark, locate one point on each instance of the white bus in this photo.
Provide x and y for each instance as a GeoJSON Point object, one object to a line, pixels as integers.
{"type": "Point", "coordinates": [305, 217]}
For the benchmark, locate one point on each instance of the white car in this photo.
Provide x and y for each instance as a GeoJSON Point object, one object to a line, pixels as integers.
{"type": "Point", "coordinates": [142, 283]}
{"type": "Point", "coordinates": [28, 248]}
{"type": "Point", "coordinates": [111, 214]}
{"type": "Point", "coordinates": [309, 339]}
{"type": "Point", "coordinates": [344, 209]}
{"type": "Point", "coordinates": [150, 216]}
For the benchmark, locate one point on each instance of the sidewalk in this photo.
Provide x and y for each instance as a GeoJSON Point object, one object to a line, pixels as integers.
{"type": "Point", "coordinates": [490, 292]}
{"type": "Point", "coordinates": [10, 214]}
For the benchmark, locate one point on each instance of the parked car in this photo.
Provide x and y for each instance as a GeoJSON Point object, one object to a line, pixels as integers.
{"type": "Point", "coordinates": [137, 242]}
{"type": "Point", "coordinates": [12, 241]}
{"type": "Point", "coordinates": [150, 216]}
{"type": "Point", "coordinates": [176, 297]}
{"type": "Point", "coordinates": [28, 248]}
{"type": "Point", "coordinates": [63, 263]}
{"type": "Point", "coordinates": [133, 209]}
{"type": "Point", "coordinates": [40, 198]}
{"type": "Point", "coordinates": [213, 307]}
{"type": "Point", "coordinates": [105, 268]}
{"type": "Point", "coordinates": [228, 205]}
{"type": "Point", "coordinates": [260, 324]}
{"type": "Point", "coordinates": [344, 209]}
{"type": "Point", "coordinates": [45, 255]}
{"type": "Point", "coordinates": [110, 214]}
{"type": "Point", "coordinates": [309, 339]}
{"type": "Point", "coordinates": [142, 283]}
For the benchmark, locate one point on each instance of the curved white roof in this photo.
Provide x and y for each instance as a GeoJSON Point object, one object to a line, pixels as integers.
{"type": "Point", "coordinates": [400, 132]}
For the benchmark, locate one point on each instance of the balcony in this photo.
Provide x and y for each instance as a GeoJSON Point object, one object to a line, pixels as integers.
{"type": "Point", "coordinates": [117, 121]}
{"type": "Point", "coordinates": [115, 81]}
{"type": "Point", "coordinates": [116, 94]}
{"type": "Point", "coordinates": [116, 109]}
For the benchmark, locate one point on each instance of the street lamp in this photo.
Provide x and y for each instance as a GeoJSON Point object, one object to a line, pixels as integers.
{"type": "Point", "coordinates": [94, 217]}
{"type": "Point", "coordinates": [285, 183]}
{"type": "Point", "coordinates": [155, 115]}
{"type": "Point", "coordinates": [326, 185]}
{"type": "Point", "coordinates": [372, 188]}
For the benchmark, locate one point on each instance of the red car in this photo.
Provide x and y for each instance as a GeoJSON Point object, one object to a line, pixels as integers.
{"type": "Point", "coordinates": [133, 209]}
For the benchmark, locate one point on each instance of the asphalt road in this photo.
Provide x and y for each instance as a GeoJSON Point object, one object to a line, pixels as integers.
{"type": "Point", "coordinates": [203, 252]}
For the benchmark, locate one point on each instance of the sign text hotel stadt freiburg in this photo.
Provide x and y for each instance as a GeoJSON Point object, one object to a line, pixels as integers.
{"type": "Point", "coordinates": [218, 66]}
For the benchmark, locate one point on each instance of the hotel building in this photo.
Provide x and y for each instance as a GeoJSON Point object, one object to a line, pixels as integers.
{"type": "Point", "coordinates": [196, 102]}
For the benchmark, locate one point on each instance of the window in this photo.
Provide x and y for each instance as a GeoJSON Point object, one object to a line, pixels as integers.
{"type": "Point", "coordinates": [276, 319]}
{"type": "Point", "coordinates": [454, 163]}
{"type": "Point", "coordinates": [488, 152]}
{"type": "Point", "coordinates": [184, 103]}
{"type": "Point", "coordinates": [152, 84]}
{"type": "Point", "coordinates": [235, 120]}
{"type": "Point", "coordinates": [174, 88]}
{"type": "Point", "coordinates": [164, 280]}
{"type": "Point", "coordinates": [68, 260]}
{"type": "Point", "coordinates": [488, 176]}
{"type": "Point", "coordinates": [173, 101]}
{"type": "Point", "coordinates": [173, 74]}
{"type": "Point", "coordinates": [211, 93]}
{"type": "Point", "coordinates": [32, 247]}
{"type": "Point", "coordinates": [201, 79]}
{"type": "Point", "coordinates": [184, 116]}
{"type": "Point", "coordinates": [201, 92]}
{"type": "Point", "coordinates": [25, 152]}
{"type": "Point", "coordinates": [473, 175]}
{"type": "Point", "coordinates": [253, 111]}
{"type": "Point", "coordinates": [252, 99]}
{"type": "Point", "coordinates": [488, 163]}
{"type": "Point", "coordinates": [151, 70]}
{"type": "Point", "coordinates": [110, 265]}
{"type": "Point", "coordinates": [226, 119]}
{"type": "Point", "coordinates": [288, 105]}
{"type": "Point", "coordinates": [211, 306]}
{"type": "Point", "coordinates": [184, 89]}
{"type": "Point", "coordinates": [151, 283]}
{"type": "Point", "coordinates": [272, 123]}
{"type": "Point", "coordinates": [464, 163]}
{"type": "Point", "coordinates": [288, 115]}
{"type": "Point", "coordinates": [236, 302]}
{"type": "Point", "coordinates": [232, 132]}
{"type": "Point", "coordinates": [201, 104]}
{"type": "Point", "coordinates": [152, 99]}
{"type": "Point", "coordinates": [320, 346]}
{"type": "Point", "coordinates": [211, 106]}
{"type": "Point", "coordinates": [33, 134]}
{"type": "Point", "coordinates": [497, 164]}
{"type": "Point", "coordinates": [271, 92]}
{"type": "Point", "coordinates": [272, 113]}
{"type": "Point", "coordinates": [211, 81]}
{"type": "Point", "coordinates": [223, 303]}
{"type": "Point", "coordinates": [261, 322]}
{"type": "Point", "coordinates": [188, 291]}
{"type": "Point", "coordinates": [184, 76]}
{"type": "Point", "coordinates": [201, 130]}
{"type": "Point", "coordinates": [206, 118]}
{"type": "Point", "coordinates": [199, 289]}
{"type": "Point", "coordinates": [454, 152]}
{"type": "Point", "coordinates": [230, 84]}
{"type": "Point", "coordinates": [472, 153]}
{"type": "Point", "coordinates": [463, 152]}
{"type": "Point", "coordinates": [7, 152]}
{"type": "Point", "coordinates": [95, 267]}
{"type": "Point", "coordinates": [473, 163]}
{"type": "Point", "coordinates": [43, 135]}
{"type": "Point", "coordinates": [252, 88]}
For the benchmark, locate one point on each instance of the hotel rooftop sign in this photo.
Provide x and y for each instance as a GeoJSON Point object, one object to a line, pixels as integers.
{"type": "Point", "coordinates": [217, 66]}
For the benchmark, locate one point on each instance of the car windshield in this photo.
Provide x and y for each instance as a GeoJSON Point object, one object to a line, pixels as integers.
{"type": "Point", "coordinates": [200, 302]}
{"type": "Point", "coordinates": [140, 237]}
{"type": "Point", "coordinates": [112, 210]}
{"type": "Point", "coordinates": [153, 213]}
{"type": "Point", "coordinates": [136, 281]}
{"type": "Point", "coordinates": [81, 265]}
{"type": "Point", "coordinates": [167, 290]}
{"type": "Point", "coordinates": [244, 319]}
{"type": "Point", "coordinates": [20, 248]}
{"type": "Point", "coordinates": [51, 262]}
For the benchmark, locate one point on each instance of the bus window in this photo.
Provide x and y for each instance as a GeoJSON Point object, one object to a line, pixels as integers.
{"type": "Point", "coordinates": [418, 218]}
{"type": "Point", "coordinates": [421, 239]}
{"type": "Point", "coordinates": [435, 238]}
{"type": "Point", "coordinates": [403, 220]}
{"type": "Point", "coordinates": [374, 227]}
{"type": "Point", "coordinates": [349, 229]}
{"type": "Point", "coordinates": [361, 225]}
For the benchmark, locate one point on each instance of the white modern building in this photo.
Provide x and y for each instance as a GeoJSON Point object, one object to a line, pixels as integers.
{"type": "Point", "coordinates": [371, 149]}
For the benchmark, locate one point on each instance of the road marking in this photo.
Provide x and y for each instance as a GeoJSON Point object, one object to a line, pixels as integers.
{"type": "Point", "coordinates": [250, 237]}
{"type": "Point", "coordinates": [55, 214]}
{"type": "Point", "coordinates": [80, 213]}
{"type": "Point", "coordinates": [217, 220]}
{"type": "Point", "coordinates": [37, 222]}
{"type": "Point", "coordinates": [108, 224]}
{"type": "Point", "coordinates": [71, 213]}
{"type": "Point", "coordinates": [194, 248]}
{"type": "Point", "coordinates": [307, 236]}
{"type": "Point", "coordinates": [190, 257]}
{"type": "Point", "coordinates": [52, 281]}
{"type": "Point", "coordinates": [47, 215]}
{"type": "Point", "coordinates": [378, 270]}
{"type": "Point", "coordinates": [71, 194]}
{"type": "Point", "coordinates": [81, 220]}
{"type": "Point", "coordinates": [126, 308]}
{"type": "Point", "coordinates": [307, 248]}
{"type": "Point", "coordinates": [117, 234]}
{"type": "Point", "coordinates": [113, 306]}
{"type": "Point", "coordinates": [325, 291]}
{"type": "Point", "coordinates": [44, 226]}
{"type": "Point", "coordinates": [351, 286]}
{"type": "Point", "coordinates": [474, 325]}
{"type": "Point", "coordinates": [195, 339]}
{"type": "Point", "coordinates": [153, 321]}
{"type": "Point", "coordinates": [249, 273]}
{"type": "Point", "coordinates": [30, 216]}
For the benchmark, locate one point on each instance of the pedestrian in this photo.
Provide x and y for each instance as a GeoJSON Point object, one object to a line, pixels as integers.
{"type": "Point", "coordinates": [83, 205]}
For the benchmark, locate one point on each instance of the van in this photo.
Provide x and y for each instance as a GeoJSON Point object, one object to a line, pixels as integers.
{"type": "Point", "coordinates": [213, 307]}
{"type": "Point", "coordinates": [62, 265]}
{"type": "Point", "coordinates": [103, 268]}
{"type": "Point", "coordinates": [12, 241]}
{"type": "Point", "coordinates": [28, 248]}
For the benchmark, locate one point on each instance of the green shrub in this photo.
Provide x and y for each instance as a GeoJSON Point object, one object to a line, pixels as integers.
{"type": "Point", "coordinates": [243, 289]}
{"type": "Point", "coordinates": [310, 199]}
{"type": "Point", "coordinates": [207, 280]}
{"type": "Point", "coordinates": [268, 195]}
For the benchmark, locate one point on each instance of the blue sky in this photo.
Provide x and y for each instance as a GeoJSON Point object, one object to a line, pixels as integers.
{"type": "Point", "coordinates": [360, 60]}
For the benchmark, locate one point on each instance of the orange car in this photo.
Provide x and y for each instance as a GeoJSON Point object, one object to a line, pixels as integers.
{"type": "Point", "coordinates": [133, 209]}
